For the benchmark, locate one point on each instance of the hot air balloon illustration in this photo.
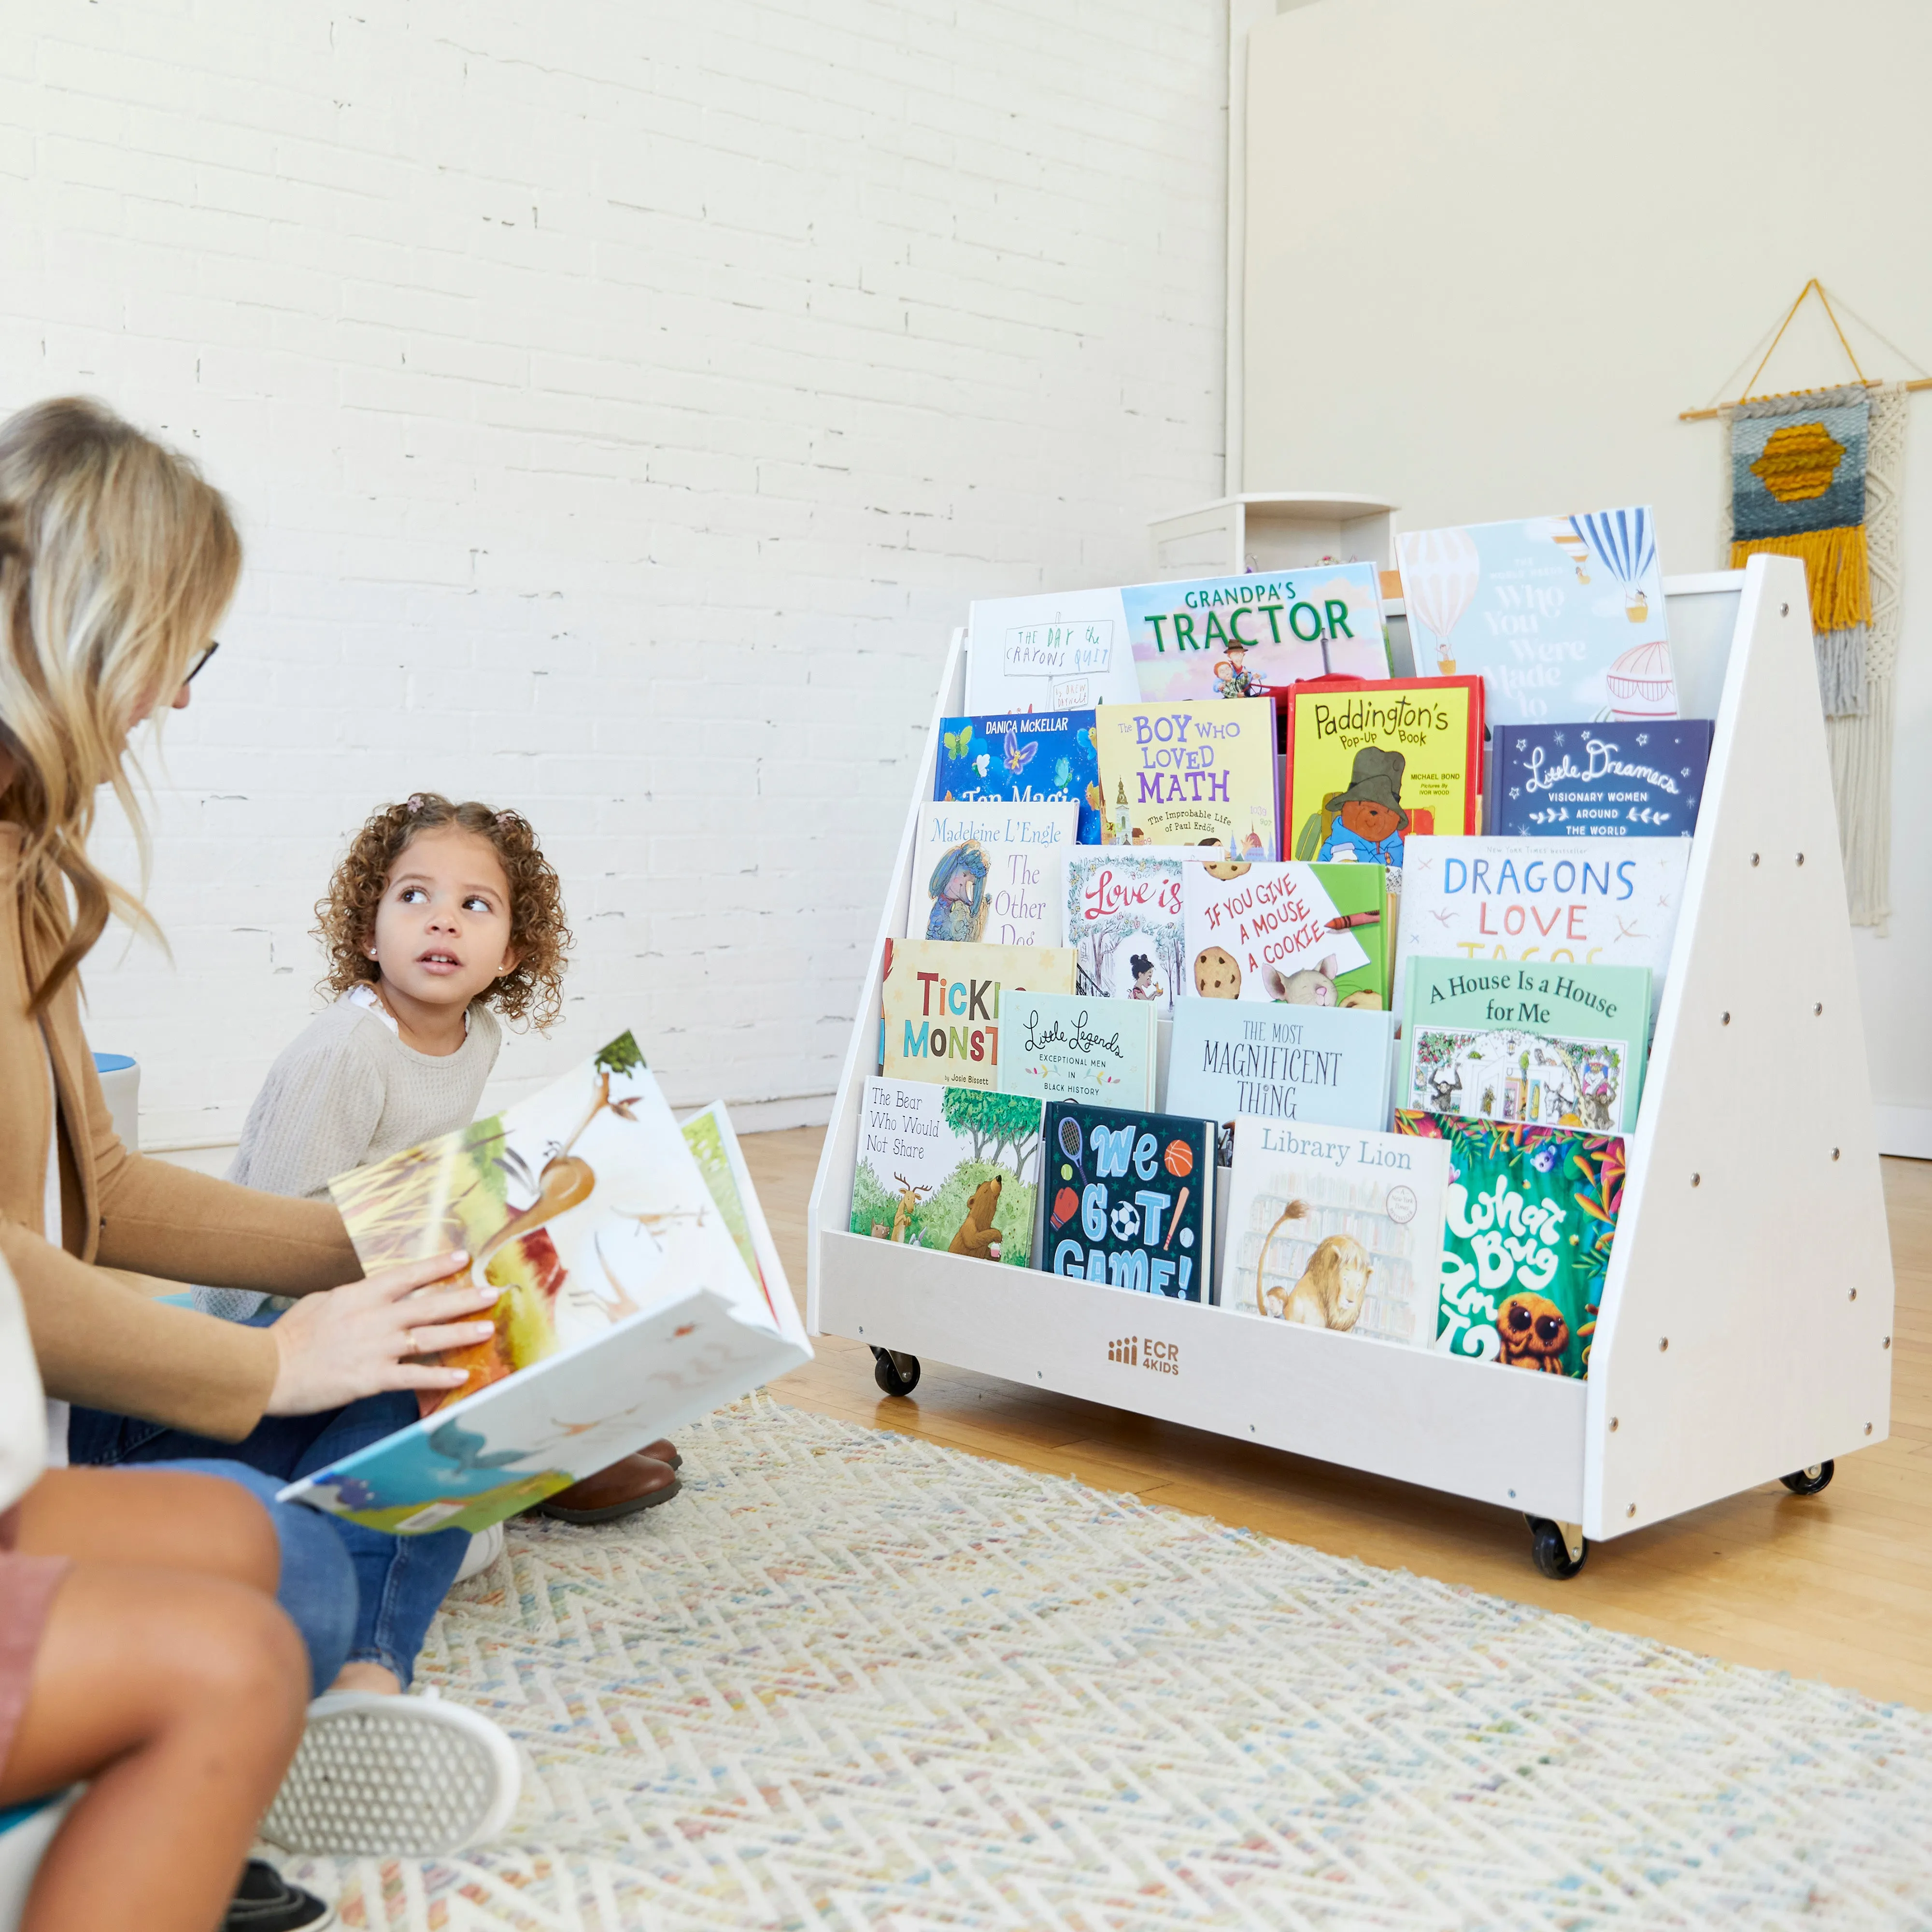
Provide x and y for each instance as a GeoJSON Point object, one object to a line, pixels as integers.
{"type": "Point", "coordinates": [1440, 572]}
{"type": "Point", "coordinates": [1564, 536]}
{"type": "Point", "coordinates": [1642, 683]}
{"type": "Point", "coordinates": [1622, 542]}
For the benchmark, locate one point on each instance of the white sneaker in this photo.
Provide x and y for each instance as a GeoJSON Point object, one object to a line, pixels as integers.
{"type": "Point", "coordinates": [484, 1549]}
{"type": "Point", "coordinates": [394, 1776]}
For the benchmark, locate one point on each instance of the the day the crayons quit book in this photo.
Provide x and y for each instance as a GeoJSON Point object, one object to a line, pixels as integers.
{"type": "Point", "coordinates": [1631, 781]}
{"type": "Point", "coordinates": [1190, 774]}
{"type": "Point", "coordinates": [638, 1289]}
{"type": "Point", "coordinates": [1023, 757]}
{"type": "Point", "coordinates": [954, 1169]}
{"type": "Point", "coordinates": [1060, 1046]}
{"type": "Point", "coordinates": [1542, 1043]}
{"type": "Point", "coordinates": [944, 1005]}
{"type": "Point", "coordinates": [1129, 1199]}
{"type": "Point", "coordinates": [1530, 1216]}
{"type": "Point", "coordinates": [990, 873]}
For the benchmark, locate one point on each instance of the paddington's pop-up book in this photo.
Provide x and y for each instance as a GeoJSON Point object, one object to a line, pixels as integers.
{"type": "Point", "coordinates": [639, 1290]}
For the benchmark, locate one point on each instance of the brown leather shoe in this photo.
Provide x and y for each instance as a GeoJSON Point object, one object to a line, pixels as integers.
{"type": "Point", "coordinates": [638, 1482]}
{"type": "Point", "coordinates": [661, 1451]}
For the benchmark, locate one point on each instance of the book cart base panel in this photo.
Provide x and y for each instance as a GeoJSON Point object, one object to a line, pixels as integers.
{"type": "Point", "coordinates": [1495, 1435]}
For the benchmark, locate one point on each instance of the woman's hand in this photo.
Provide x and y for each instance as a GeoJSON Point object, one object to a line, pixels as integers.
{"type": "Point", "coordinates": [354, 1341]}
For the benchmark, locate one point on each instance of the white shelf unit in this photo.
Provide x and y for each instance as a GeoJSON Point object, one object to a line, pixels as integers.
{"type": "Point", "coordinates": [1746, 1329]}
{"type": "Point", "coordinates": [1272, 530]}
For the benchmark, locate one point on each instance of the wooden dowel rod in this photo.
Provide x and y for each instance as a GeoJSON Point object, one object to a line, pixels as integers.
{"type": "Point", "coordinates": [1705, 415]}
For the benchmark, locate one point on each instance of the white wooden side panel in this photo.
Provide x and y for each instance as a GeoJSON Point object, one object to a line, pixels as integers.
{"type": "Point", "coordinates": [1752, 1239]}
{"type": "Point", "coordinates": [1474, 1429]}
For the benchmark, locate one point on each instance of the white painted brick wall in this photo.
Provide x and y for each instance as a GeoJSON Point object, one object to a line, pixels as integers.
{"type": "Point", "coordinates": [621, 400]}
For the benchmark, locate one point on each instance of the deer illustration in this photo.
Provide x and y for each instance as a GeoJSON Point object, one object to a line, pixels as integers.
{"type": "Point", "coordinates": [909, 1197]}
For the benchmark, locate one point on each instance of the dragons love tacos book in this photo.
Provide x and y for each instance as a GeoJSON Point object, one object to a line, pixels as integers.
{"type": "Point", "coordinates": [639, 1289]}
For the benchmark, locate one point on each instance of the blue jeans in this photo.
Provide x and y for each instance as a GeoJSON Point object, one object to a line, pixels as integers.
{"type": "Point", "coordinates": [356, 1595]}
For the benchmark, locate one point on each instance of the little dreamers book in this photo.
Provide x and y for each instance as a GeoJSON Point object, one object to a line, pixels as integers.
{"type": "Point", "coordinates": [944, 1005]}
{"type": "Point", "coordinates": [1600, 781]}
{"type": "Point", "coordinates": [1531, 1042]}
{"type": "Point", "coordinates": [1335, 1230]}
{"type": "Point", "coordinates": [1046, 757]}
{"type": "Point", "coordinates": [955, 1169]}
{"type": "Point", "coordinates": [990, 873]}
{"type": "Point", "coordinates": [1190, 774]}
{"type": "Point", "coordinates": [1067, 1047]}
{"type": "Point", "coordinates": [1302, 1063]}
{"type": "Point", "coordinates": [1267, 931]}
{"type": "Point", "coordinates": [1124, 923]}
{"type": "Point", "coordinates": [639, 1290]}
{"type": "Point", "coordinates": [1130, 1199]}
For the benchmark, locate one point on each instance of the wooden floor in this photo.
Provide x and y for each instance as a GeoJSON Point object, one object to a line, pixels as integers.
{"type": "Point", "coordinates": [1837, 1586]}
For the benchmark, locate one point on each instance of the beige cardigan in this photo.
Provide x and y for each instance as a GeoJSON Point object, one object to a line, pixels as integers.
{"type": "Point", "coordinates": [100, 1342]}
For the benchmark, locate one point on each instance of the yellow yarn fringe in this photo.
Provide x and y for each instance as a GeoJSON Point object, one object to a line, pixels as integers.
{"type": "Point", "coordinates": [1835, 568]}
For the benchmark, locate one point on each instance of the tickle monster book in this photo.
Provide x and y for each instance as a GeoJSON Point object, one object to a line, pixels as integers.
{"type": "Point", "coordinates": [990, 872]}
{"type": "Point", "coordinates": [1046, 756]}
{"type": "Point", "coordinates": [945, 1005]}
{"type": "Point", "coordinates": [1368, 764]}
{"type": "Point", "coordinates": [639, 1290]}
{"type": "Point", "coordinates": [1189, 775]}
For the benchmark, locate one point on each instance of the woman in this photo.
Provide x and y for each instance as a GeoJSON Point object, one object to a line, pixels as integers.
{"type": "Point", "coordinates": [117, 560]}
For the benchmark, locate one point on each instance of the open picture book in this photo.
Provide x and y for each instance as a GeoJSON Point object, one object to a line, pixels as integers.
{"type": "Point", "coordinates": [641, 1289]}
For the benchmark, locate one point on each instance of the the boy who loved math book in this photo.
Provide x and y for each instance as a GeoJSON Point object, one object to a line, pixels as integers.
{"type": "Point", "coordinates": [1193, 774]}
{"type": "Point", "coordinates": [1130, 1199]}
{"type": "Point", "coordinates": [1531, 1214]}
{"type": "Point", "coordinates": [1059, 1047]}
{"type": "Point", "coordinates": [945, 1005]}
{"type": "Point", "coordinates": [1026, 756]}
{"type": "Point", "coordinates": [1600, 781]}
{"type": "Point", "coordinates": [951, 1168]}
{"type": "Point", "coordinates": [1527, 1041]}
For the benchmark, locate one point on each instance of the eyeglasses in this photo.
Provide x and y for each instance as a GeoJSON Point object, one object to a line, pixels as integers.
{"type": "Point", "coordinates": [201, 662]}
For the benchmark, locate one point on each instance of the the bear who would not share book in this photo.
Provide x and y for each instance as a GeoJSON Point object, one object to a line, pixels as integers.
{"type": "Point", "coordinates": [990, 873]}
{"type": "Point", "coordinates": [1061, 1046]}
{"type": "Point", "coordinates": [1619, 781]}
{"type": "Point", "coordinates": [1129, 1199]}
{"type": "Point", "coordinates": [944, 1005]}
{"type": "Point", "coordinates": [1335, 1230]}
{"type": "Point", "coordinates": [1530, 1214]}
{"type": "Point", "coordinates": [950, 1168]}
{"type": "Point", "coordinates": [639, 1290]}
{"type": "Point", "coordinates": [1530, 1041]}
{"type": "Point", "coordinates": [1024, 757]}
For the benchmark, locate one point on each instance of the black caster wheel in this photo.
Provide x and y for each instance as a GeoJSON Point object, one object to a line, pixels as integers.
{"type": "Point", "coordinates": [1551, 1552]}
{"type": "Point", "coordinates": [895, 1374]}
{"type": "Point", "coordinates": [1809, 1482]}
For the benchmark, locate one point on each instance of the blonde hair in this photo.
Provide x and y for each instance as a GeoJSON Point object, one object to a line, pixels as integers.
{"type": "Point", "coordinates": [117, 560]}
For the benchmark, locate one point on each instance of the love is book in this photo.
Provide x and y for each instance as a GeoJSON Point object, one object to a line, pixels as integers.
{"type": "Point", "coordinates": [944, 1005]}
{"type": "Point", "coordinates": [1124, 923]}
{"type": "Point", "coordinates": [990, 872]}
{"type": "Point", "coordinates": [1069, 1047]}
{"type": "Point", "coordinates": [1600, 781]}
{"type": "Point", "coordinates": [1025, 757]}
{"type": "Point", "coordinates": [1267, 931]}
{"type": "Point", "coordinates": [1190, 774]}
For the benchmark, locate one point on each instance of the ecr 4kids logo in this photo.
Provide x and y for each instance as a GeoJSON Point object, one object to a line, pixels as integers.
{"type": "Point", "coordinates": [1146, 1351]}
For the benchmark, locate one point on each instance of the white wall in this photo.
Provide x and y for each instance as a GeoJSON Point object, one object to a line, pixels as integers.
{"type": "Point", "coordinates": [1494, 247]}
{"type": "Point", "coordinates": [621, 400]}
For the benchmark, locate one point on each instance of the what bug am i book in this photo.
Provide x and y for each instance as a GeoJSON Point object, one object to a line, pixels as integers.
{"type": "Point", "coordinates": [1060, 1046]}
{"type": "Point", "coordinates": [638, 1289]}
{"type": "Point", "coordinates": [1129, 1199]}
{"type": "Point", "coordinates": [954, 1169]}
{"type": "Point", "coordinates": [945, 1005]}
{"type": "Point", "coordinates": [990, 873]}
{"type": "Point", "coordinates": [1542, 1043]}
{"type": "Point", "coordinates": [1638, 780]}
{"type": "Point", "coordinates": [1044, 757]}
{"type": "Point", "coordinates": [1529, 1216]}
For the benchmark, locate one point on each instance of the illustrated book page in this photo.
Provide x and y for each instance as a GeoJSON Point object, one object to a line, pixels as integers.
{"type": "Point", "coordinates": [1062, 1046]}
{"type": "Point", "coordinates": [1190, 774]}
{"type": "Point", "coordinates": [990, 873]}
{"type": "Point", "coordinates": [1023, 757]}
{"type": "Point", "coordinates": [944, 1005]}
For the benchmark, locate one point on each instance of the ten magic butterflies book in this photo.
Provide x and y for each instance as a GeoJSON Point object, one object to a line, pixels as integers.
{"type": "Point", "coordinates": [1600, 781]}
{"type": "Point", "coordinates": [1190, 774]}
{"type": "Point", "coordinates": [1044, 756]}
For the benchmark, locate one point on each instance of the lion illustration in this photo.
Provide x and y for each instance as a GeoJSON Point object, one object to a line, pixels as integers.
{"type": "Point", "coordinates": [1333, 1287]}
{"type": "Point", "coordinates": [977, 1236]}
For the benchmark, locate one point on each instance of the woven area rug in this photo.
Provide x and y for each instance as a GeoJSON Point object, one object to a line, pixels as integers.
{"type": "Point", "coordinates": [855, 1680]}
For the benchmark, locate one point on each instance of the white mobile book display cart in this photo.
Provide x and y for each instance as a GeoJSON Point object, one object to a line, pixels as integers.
{"type": "Point", "coordinates": [1745, 1332]}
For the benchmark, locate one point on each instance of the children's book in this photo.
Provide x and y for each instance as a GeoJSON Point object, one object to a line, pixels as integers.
{"type": "Point", "coordinates": [990, 873]}
{"type": "Point", "coordinates": [1369, 764]}
{"type": "Point", "coordinates": [1070, 1047]}
{"type": "Point", "coordinates": [945, 1005]}
{"type": "Point", "coordinates": [1130, 1199]}
{"type": "Point", "coordinates": [956, 1169]}
{"type": "Point", "coordinates": [1533, 1041]}
{"type": "Point", "coordinates": [1291, 1063]}
{"type": "Point", "coordinates": [1361, 895]}
{"type": "Point", "coordinates": [1335, 1230]}
{"type": "Point", "coordinates": [1530, 1214]}
{"type": "Point", "coordinates": [1191, 774]}
{"type": "Point", "coordinates": [1025, 756]}
{"type": "Point", "coordinates": [640, 1289]}
{"type": "Point", "coordinates": [1124, 923]}
{"type": "Point", "coordinates": [1599, 780]}
{"type": "Point", "coordinates": [1267, 932]}
{"type": "Point", "coordinates": [1543, 899]}
{"type": "Point", "coordinates": [1064, 651]}
{"type": "Point", "coordinates": [1561, 616]}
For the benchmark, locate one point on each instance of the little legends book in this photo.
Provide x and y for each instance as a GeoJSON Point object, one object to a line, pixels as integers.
{"type": "Point", "coordinates": [990, 873]}
{"type": "Point", "coordinates": [639, 1290]}
{"type": "Point", "coordinates": [1599, 780]}
{"type": "Point", "coordinates": [1191, 774]}
{"type": "Point", "coordinates": [1267, 931]}
{"type": "Point", "coordinates": [1561, 616]}
{"type": "Point", "coordinates": [1369, 764]}
{"type": "Point", "coordinates": [1062, 1046]}
{"type": "Point", "coordinates": [1287, 1062]}
{"type": "Point", "coordinates": [1130, 1199]}
{"type": "Point", "coordinates": [1046, 757]}
{"type": "Point", "coordinates": [1530, 1214]}
{"type": "Point", "coordinates": [1533, 1041]}
{"type": "Point", "coordinates": [945, 1005]}
{"type": "Point", "coordinates": [1124, 923]}
{"type": "Point", "coordinates": [1335, 1230]}
{"type": "Point", "coordinates": [955, 1169]}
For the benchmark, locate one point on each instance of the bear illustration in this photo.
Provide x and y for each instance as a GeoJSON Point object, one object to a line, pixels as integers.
{"type": "Point", "coordinates": [1216, 976]}
{"type": "Point", "coordinates": [977, 1236]}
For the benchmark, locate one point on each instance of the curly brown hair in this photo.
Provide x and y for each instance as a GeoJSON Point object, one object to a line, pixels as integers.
{"type": "Point", "coordinates": [533, 991]}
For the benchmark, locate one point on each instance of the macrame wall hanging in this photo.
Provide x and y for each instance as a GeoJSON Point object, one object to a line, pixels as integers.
{"type": "Point", "coordinates": [1818, 475]}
